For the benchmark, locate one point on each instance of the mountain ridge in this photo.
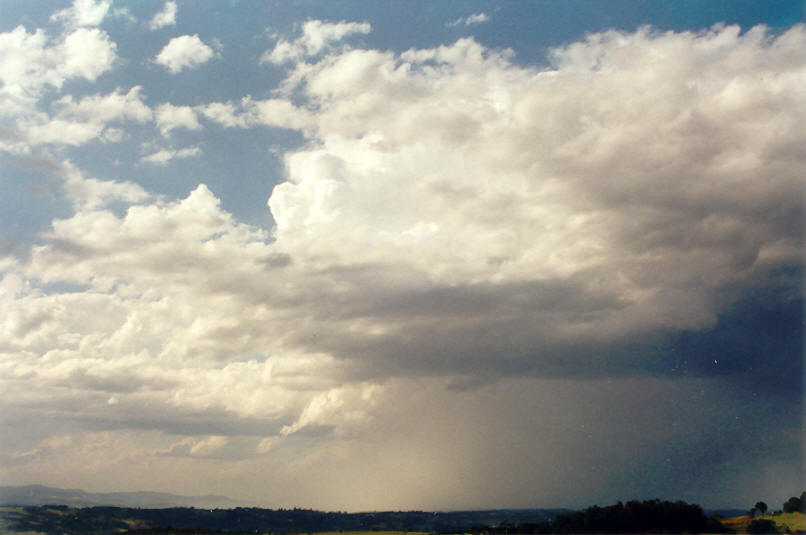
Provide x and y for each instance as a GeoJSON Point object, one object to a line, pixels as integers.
{"type": "Point", "coordinates": [42, 495]}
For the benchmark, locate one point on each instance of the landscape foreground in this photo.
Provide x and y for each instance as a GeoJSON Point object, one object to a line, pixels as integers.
{"type": "Point", "coordinates": [653, 516]}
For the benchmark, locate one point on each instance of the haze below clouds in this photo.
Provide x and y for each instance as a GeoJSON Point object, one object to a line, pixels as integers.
{"type": "Point", "coordinates": [480, 282]}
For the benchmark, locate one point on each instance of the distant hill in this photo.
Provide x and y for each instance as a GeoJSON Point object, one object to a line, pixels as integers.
{"type": "Point", "coordinates": [41, 495]}
{"type": "Point", "coordinates": [725, 513]}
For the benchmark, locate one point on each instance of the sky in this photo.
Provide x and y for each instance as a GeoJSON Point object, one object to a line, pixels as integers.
{"type": "Point", "coordinates": [404, 255]}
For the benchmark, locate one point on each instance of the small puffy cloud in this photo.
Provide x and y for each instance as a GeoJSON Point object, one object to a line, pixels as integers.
{"type": "Point", "coordinates": [470, 20]}
{"type": "Point", "coordinates": [163, 156]}
{"type": "Point", "coordinates": [169, 117]}
{"type": "Point", "coordinates": [316, 36]}
{"type": "Point", "coordinates": [84, 13]}
{"type": "Point", "coordinates": [87, 53]}
{"type": "Point", "coordinates": [166, 17]}
{"type": "Point", "coordinates": [184, 52]}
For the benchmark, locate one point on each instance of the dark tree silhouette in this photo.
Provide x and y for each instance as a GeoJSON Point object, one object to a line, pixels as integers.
{"type": "Point", "coordinates": [794, 504]}
{"type": "Point", "coordinates": [636, 517]}
{"type": "Point", "coordinates": [761, 525]}
{"type": "Point", "coordinates": [761, 507]}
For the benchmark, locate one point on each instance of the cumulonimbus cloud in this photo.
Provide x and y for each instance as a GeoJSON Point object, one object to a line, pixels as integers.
{"type": "Point", "coordinates": [563, 209]}
{"type": "Point", "coordinates": [454, 214]}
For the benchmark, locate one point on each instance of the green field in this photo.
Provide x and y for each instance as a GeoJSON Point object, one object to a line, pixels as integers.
{"type": "Point", "coordinates": [792, 522]}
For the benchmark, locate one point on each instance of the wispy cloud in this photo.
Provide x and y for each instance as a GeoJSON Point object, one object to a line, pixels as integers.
{"type": "Point", "coordinates": [470, 20]}
{"type": "Point", "coordinates": [316, 36]}
{"type": "Point", "coordinates": [163, 156]}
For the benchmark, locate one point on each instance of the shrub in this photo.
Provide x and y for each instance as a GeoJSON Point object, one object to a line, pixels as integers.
{"type": "Point", "coordinates": [761, 525]}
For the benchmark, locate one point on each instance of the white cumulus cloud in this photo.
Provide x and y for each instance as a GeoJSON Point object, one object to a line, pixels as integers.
{"type": "Point", "coordinates": [87, 53]}
{"type": "Point", "coordinates": [166, 17]}
{"type": "Point", "coordinates": [105, 108]}
{"type": "Point", "coordinates": [84, 13]}
{"type": "Point", "coordinates": [169, 117]}
{"type": "Point", "coordinates": [184, 52]}
{"type": "Point", "coordinates": [77, 122]}
{"type": "Point", "coordinates": [31, 62]}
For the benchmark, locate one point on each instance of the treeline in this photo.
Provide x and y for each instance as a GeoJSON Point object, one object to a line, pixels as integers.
{"type": "Point", "coordinates": [795, 504]}
{"type": "Point", "coordinates": [62, 520]}
{"type": "Point", "coordinates": [652, 516]}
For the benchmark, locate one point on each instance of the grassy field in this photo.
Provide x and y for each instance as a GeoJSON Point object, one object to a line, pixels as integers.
{"type": "Point", "coordinates": [784, 521]}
